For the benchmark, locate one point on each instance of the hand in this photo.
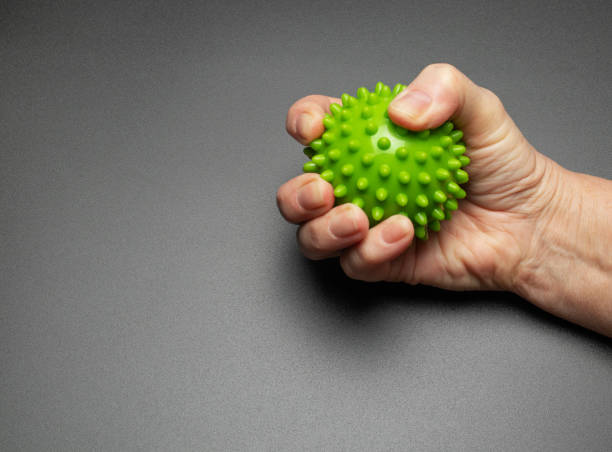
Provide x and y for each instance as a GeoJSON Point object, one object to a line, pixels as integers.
{"type": "Point", "coordinates": [512, 198]}
{"type": "Point", "coordinates": [483, 243]}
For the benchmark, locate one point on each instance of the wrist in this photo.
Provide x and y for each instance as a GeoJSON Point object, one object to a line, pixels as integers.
{"type": "Point", "coordinates": [567, 266]}
{"type": "Point", "coordinates": [551, 225]}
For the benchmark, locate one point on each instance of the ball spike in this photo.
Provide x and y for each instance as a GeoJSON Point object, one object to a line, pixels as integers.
{"type": "Point", "coordinates": [334, 154]}
{"type": "Point", "coordinates": [421, 200]}
{"type": "Point", "coordinates": [401, 153]}
{"type": "Point", "coordinates": [317, 144]}
{"type": "Point", "coordinates": [358, 202]}
{"type": "Point", "coordinates": [328, 175]}
{"type": "Point", "coordinates": [456, 135]}
{"type": "Point", "coordinates": [451, 205]}
{"type": "Point", "coordinates": [347, 169]}
{"type": "Point", "coordinates": [367, 159]}
{"type": "Point", "coordinates": [310, 167]}
{"type": "Point", "coordinates": [371, 128]}
{"type": "Point", "coordinates": [377, 213]}
{"type": "Point", "coordinates": [439, 197]}
{"type": "Point", "coordinates": [335, 109]}
{"type": "Point", "coordinates": [421, 218]}
{"type": "Point", "coordinates": [383, 143]}
{"type": "Point", "coordinates": [461, 176]}
{"type": "Point", "coordinates": [404, 177]}
{"type": "Point", "coordinates": [367, 112]}
{"type": "Point", "coordinates": [442, 174]}
{"type": "Point", "coordinates": [458, 149]}
{"type": "Point", "coordinates": [362, 93]}
{"type": "Point", "coordinates": [446, 141]}
{"type": "Point", "coordinates": [420, 157]}
{"type": "Point", "coordinates": [453, 164]}
{"type": "Point", "coordinates": [384, 170]}
{"type": "Point", "coordinates": [340, 191]}
{"type": "Point", "coordinates": [381, 194]}
{"type": "Point", "coordinates": [362, 183]}
{"type": "Point", "coordinates": [346, 130]}
{"type": "Point", "coordinates": [328, 137]}
{"type": "Point", "coordinates": [398, 89]}
{"type": "Point", "coordinates": [319, 160]}
{"type": "Point", "coordinates": [424, 178]}
{"type": "Point", "coordinates": [437, 213]}
{"type": "Point", "coordinates": [401, 199]}
{"type": "Point", "coordinates": [328, 121]}
{"type": "Point", "coordinates": [420, 232]}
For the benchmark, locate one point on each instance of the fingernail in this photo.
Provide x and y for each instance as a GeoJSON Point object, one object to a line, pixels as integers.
{"type": "Point", "coordinates": [310, 195]}
{"type": "Point", "coordinates": [414, 103]}
{"type": "Point", "coordinates": [344, 223]}
{"type": "Point", "coordinates": [303, 125]}
{"type": "Point", "coordinates": [394, 230]}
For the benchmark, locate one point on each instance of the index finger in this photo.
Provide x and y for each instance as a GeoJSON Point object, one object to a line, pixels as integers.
{"type": "Point", "coordinates": [305, 117]}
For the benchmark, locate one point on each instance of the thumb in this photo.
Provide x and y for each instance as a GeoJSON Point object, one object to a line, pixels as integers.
{"type": "Point", "coordinates": [441, 92]}
{"type": "Point", "coordinates": [503, 163]}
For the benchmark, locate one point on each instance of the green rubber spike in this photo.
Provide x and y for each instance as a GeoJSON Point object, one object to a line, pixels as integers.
{"type": "Point", "coordinates": [386, 169]}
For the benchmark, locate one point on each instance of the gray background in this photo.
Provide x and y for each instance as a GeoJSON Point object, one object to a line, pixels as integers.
{"type": "Point", "coordinates": [153, 299]}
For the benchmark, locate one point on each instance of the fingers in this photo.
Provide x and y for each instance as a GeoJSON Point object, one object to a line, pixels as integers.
{"type": "Point", "coordinates": [370, 260]}
{"type": "Point", "coordinates": [441, 92]}
{"type": "Point", "coordinates": [304, 197]}
{"type": "Point", "coordinates": [305, 117]}
{"type": "Point", "coordinates": [339, 228]}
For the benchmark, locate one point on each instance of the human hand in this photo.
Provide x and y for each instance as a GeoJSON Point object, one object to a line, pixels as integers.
{"type": "Point", "coordinates": [512, 197]}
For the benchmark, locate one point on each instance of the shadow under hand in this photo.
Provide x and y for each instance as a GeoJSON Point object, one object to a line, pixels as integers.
{"type": "Point", "coordinates": [357, 302]}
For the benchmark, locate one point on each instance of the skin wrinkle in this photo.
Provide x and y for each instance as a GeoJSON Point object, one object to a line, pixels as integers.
{"type": "Point", "coordinates": [472, 268]}
{"type": "Point", "coordinates": [409, 262]}
{"type": "Point", "coordinates": [449, 262]}
{"type": "Point", "coordinates": [487, 161]}
{"type": "Point", "coordinates": [544, 243]}
{"type": "Point", "coordinates": [591, 250]}
{"type": "Point", "coordinates": [396, 266]}
{"type": "Point", "coordinates": [474, 265]}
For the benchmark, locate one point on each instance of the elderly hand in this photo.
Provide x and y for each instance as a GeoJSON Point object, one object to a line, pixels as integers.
{"type": "Point", "coordinates": [519, 204]}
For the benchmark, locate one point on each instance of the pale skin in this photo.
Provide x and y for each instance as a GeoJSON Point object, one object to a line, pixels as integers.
{"type": "Point", "coordinates": [528, 225]}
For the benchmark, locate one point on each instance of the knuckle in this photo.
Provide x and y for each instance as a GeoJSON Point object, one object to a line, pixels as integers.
{"type": "Point", "coordinates": [492, 99]}
{"type": "Point", "coordinates": [316, 242]}
{"type": "Point", "coordinates": [348, 267]}
{"type": "Point", "coordinates": [311, 241]}
{"type": "Point", "coordinates": [357, 263]}
{"type": "Point", "coordinates": [449, 76]}
{"type": "Point", "coordinates": [310, 98]}
{"type": "Point", "coordinates": [449, 81]}
{"type": "Point", "coordinates": [444, 71]}
{"type": "Point", "coordinates": [366, 256]}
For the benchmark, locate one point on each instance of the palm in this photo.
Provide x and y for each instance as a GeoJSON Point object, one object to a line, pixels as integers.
{"type": "Point", "coordinates": [463, 254]}
{"type": "Point", "coordinates": [487, 229]}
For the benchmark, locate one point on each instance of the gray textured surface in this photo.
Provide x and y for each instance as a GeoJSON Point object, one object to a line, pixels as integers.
{"type": "Point", "coordinates": [153, 299]}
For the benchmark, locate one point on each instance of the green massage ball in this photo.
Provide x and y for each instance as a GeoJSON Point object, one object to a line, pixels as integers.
{"type": "Point", "coordinates": [386, 169]}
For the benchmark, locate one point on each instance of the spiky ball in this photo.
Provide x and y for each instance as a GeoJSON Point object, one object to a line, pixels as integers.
{"type": "Point", "coordinates": [386, 169]}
